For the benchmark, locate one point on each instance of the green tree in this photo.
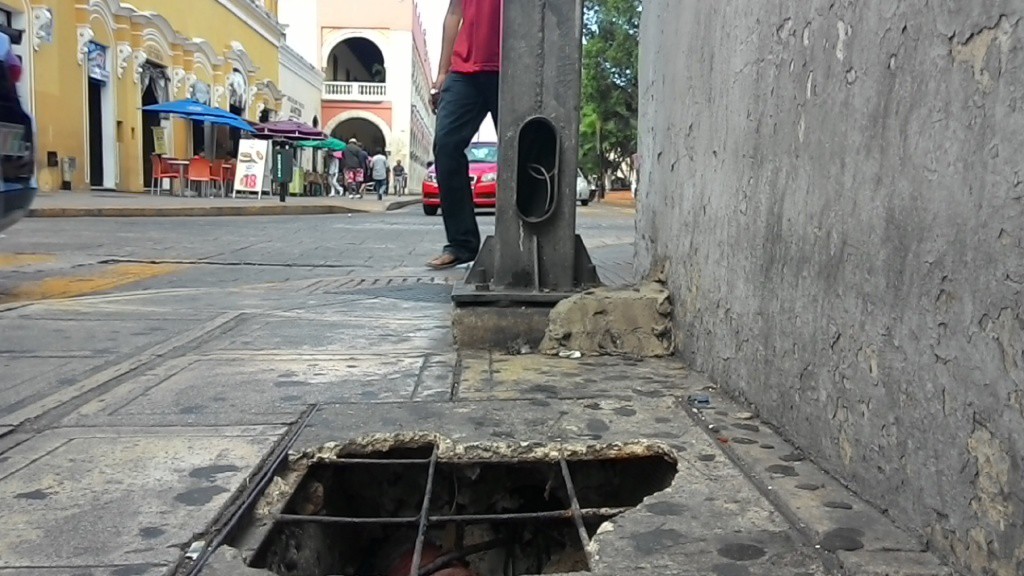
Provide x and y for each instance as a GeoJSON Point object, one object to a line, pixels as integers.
{"type": "Point", "coordinates": [608, 122]}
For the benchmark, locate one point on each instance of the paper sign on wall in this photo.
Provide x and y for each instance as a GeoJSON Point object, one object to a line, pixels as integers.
{"type": "Point", "coordinates": [160, 140]}
{"type": "Point", "coordinates": [252, 165]}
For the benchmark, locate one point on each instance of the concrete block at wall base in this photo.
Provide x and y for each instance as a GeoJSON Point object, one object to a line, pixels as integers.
{"type": "Point", "coordinates": [634, 322]}
{"type": "Point", "coordinates": [507, 329]}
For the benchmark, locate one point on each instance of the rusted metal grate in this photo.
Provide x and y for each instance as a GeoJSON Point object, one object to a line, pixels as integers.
{"type": "Point", "coordinates": [424, 520]}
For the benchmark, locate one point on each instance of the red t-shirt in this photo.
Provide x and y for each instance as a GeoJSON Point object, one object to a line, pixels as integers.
{"type": "Point", "coordinates": [478, 46]}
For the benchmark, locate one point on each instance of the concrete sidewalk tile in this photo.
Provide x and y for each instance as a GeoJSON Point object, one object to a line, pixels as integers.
{"type": "Point", "coordinates": [67, 393]}
{"type": "Point", "coordinates": [497, 376]}
{"type": "Point", "coordinates": [830, 513]}
{"type": "Point", "coordinates": [892, 563]}
{"type": "Point", "coordinates": [325, 334]}
{"type": "Point", "coordinates": [257, 385]}
{"type": "Point", "coordinates": [29, 379]}
{"type": "Point", "coordinates": [88, 497]}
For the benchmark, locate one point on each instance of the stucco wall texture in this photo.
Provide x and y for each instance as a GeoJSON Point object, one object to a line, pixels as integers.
{"type": "Point", "coordinates": [837, 187]}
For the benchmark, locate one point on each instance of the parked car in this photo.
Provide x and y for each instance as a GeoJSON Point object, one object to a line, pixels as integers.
{"type": "Point", "coordinates": [483, 178]}
{"type": "Point", "coordinates": [584, 191]}
{"type": "Point", "coordinates": [17, 136]}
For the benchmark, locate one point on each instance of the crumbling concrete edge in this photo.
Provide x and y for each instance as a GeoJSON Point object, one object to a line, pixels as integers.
{"type": "Point", "coordinates": [233, 560]}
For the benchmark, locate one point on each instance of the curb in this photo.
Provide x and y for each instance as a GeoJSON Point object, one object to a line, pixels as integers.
{"type": "Point", "coordinates": [399, 204]}
{"type": "Point", "coordinates": [196, 211]}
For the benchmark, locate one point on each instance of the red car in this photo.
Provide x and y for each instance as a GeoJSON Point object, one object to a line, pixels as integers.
{"type": "Point", "coordinates": [483, 177]}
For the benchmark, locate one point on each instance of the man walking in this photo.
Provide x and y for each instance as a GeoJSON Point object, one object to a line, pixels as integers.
{"type": "Point", "coordinates": [398, 174]}
{"type": "Point", "coordinates": [466, 90]}
{"type": "Point", "coordinates": [379, 173]}
{"type": "Point", "coordinates": [354, 163]}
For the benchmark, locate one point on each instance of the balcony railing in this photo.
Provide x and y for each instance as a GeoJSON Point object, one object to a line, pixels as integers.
{"type": "Point", "coordinates": [357, 91]}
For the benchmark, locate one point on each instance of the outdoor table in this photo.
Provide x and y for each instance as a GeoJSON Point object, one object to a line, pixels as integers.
{"type": "Point", "coordinates": [180, 164]}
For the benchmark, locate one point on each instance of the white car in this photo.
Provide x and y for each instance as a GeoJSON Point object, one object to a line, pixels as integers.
{"type": "Point", "coordinates": [584, 193]}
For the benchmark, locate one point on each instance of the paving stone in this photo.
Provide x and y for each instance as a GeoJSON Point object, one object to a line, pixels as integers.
{"type": "Point", "coordinates": [94, 497]}
{"type": "Point", "coordinates": [268, 383]}
{"type": "Point", "coordinates": [892, 563]}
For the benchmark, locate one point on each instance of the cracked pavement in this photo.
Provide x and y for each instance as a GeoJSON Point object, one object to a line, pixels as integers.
{"type": "Point", "coordinates": [134, 411]}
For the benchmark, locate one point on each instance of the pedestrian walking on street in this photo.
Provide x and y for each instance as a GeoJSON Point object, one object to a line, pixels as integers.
{"type": "Point", "coordinates": [379, 173]}
{"type": "Point", "coordinates": [398, 177]}
{"type": "Point", "coordinates": [353, 161]}
{"type": "Point", "coordinates": [466, 90]}
{"type": "Point", "coordinates": [333, 170]}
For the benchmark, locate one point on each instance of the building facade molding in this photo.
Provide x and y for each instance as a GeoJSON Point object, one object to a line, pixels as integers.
{"type": "Point", "coordinates": [336, 36]}
{"type": "Point", "coordinates": [177, 77]}
{"type": "Point", "coordinates": [219, 91]}
{"type": "Point", "coordinates": [204, 53]}
{"type": "Point", "coordinates": [237, 55]}
{"type": "Point", "coordinates": [338, 119]}
{"type": "Point", "coordinates": [107, 13]}
{"type": "Point", "coordinates": [158, 32]}
{"type": "Point", "coordinates": [139, 57]}
{"type": "Point", "coordinates": [85, 35]}
{"type": "Point", "coordinates": [124, 54]}
{"type": "Point", "coordinates": [294, 62]}
{"type": "Point", "coordinates": [268, 88]}
{"type": "Point", "coordinates": [42, 26]}
{"type": "Point", "coordinates": [258, 18]}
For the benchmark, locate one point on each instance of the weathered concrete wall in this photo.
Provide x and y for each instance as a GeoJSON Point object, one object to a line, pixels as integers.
{"type": "Point", "coordinates": [837, 187]}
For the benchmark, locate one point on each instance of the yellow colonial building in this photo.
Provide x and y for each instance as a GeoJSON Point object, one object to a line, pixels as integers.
{"type": "Point", "coordinates": [91, 65]}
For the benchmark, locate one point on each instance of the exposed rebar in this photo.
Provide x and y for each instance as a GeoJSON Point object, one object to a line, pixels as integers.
{"type": "Point", "coordinates": [459, 519]}
{"type": "Point", "coordinates": [424, 521]}
{"type": "Point", "coordinates": [577, 513]}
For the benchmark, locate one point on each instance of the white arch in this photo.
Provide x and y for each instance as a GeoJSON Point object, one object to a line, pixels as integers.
{"type": "Point", "coordinates": [359, 114]}
{"type": "Point", "coordinates": [161, 24]}
{"type": "Point", "coordinates": [241, 59]}
{"type": "Point", "coordinates": [199, 62]}
{"type": "Point", "coordinates": [107, 13]}
{"type": "Point", "coordinates": [114, 7]}
{"type": "Point", "coordinates": [204, 56]}
{"type": "Point", "coordinates": [267, 87]}
{"type": "Point", "coordinates": [335, 37]}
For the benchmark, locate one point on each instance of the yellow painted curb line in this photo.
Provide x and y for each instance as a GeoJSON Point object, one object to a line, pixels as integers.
{"type": "Point", "coordinates": [14, 260]}
{"type": "Point", "coordinates": [107, 278]}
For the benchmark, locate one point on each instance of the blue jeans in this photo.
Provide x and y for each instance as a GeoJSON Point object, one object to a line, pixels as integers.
{"type": "Point", "coordinates": [381, 187]}
{"type": "Point", "coordinates": [466, 99]}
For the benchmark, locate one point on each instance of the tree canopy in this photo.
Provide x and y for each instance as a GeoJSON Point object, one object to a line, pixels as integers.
{"type": "Point", "coordinates": [608, 123]}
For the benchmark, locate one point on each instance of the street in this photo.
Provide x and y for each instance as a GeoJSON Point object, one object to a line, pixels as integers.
{"type": "Point", "coordinates": [151, 366]}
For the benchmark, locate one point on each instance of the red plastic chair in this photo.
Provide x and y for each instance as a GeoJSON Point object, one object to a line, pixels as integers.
{"type": "Point", "coordinates": [217, 173]}
{"type": "Point", "coordinates": [199, 171]}
{"type": "Point", "coordinates": [227, 176]}
{"type": "Point", "coordinates": [161, 170]}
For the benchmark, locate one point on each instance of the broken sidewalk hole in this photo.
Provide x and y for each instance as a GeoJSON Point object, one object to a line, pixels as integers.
{"type": "Point", "coordinates": [496, 512]}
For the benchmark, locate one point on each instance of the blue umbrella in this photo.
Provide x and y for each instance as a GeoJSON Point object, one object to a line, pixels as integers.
{"type": "Point", "coordinates": [235, 122]}
{"type": "Point", "coordinates": [189, 108]}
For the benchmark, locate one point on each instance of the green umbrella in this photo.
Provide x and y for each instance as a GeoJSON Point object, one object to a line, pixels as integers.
{"type": "Point", "coordinates": [330, 144]}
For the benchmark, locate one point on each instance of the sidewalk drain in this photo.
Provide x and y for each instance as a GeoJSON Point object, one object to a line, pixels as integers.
{"type": "Point", "coordinates": [382, 513]}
